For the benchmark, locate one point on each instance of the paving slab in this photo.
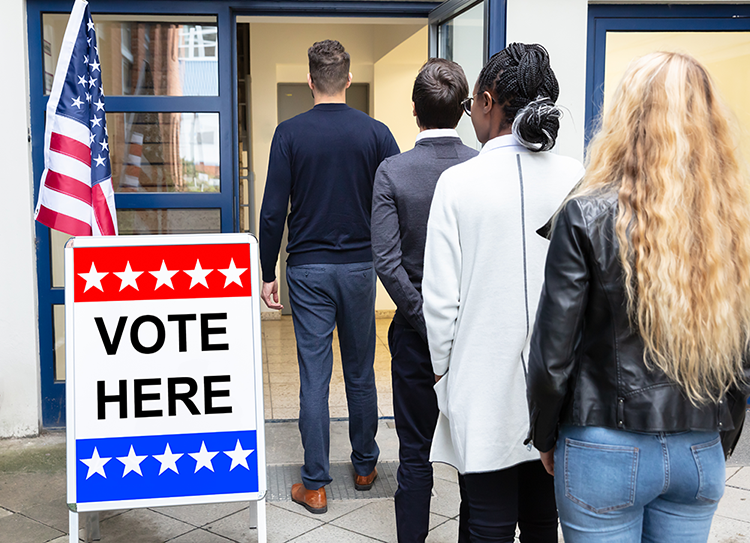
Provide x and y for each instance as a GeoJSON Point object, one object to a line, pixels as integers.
{"type": "Point", "coordinates": [283, 525]}
{"type": "Point", "coordinates": [330, 533]}
{"type": "Point", "coordinates": [143, 526]}
{"type": "Point", "coordinates": [20, 529]}
{"type": "Point", "coordinates": [727, 530]}
{"type": "Point", "coordinates": [376, 520]}
{"type": "Point", "coordinates": [200, 515]}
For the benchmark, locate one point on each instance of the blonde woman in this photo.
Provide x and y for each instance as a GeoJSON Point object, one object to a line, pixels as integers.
{"type": "Point", "coordinates": [638, 368]}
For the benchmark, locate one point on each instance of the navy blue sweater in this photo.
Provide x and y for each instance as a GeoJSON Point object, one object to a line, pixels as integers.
{"type": "Point", "coordinates": [324, 160]}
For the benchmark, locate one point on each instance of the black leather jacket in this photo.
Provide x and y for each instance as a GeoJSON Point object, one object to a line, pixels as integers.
{"type": "Point", "coordinates": [586, 363]}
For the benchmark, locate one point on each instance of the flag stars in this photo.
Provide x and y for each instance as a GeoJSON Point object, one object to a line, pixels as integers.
{"type": "Point", "coordinates": [96, 121]}
{"type": "Point", "coordinates": [77, 102]}
{"type": "Point", "coordinates": [239, 456]}
{"type": "Point", "coordinates": [95, 65]}
{"type": "Point", "coordinates": [99, 105]}
{"type": "Point", "coordinates": [100, 161]}
{"type": "Point", "coordinates": [198, 275]}
{"type": "Point", "coordinates": [95, 464]}
{"type": "Point", "coordinates": [128, 277]}
{"type": "Point", "coordinates": [168, 460]}
{"type": "Point", "coordinates": [93, 278]}
{"type": "Point", "coordinates": [203, 458]}
{"type": "Point", "coordinates": [105, 145]}
{"type": "Point", "coordinates": [232, 274]}
{"type": "Point", "coordinates": [132, 462]}
{"type": "Point", "coordinates": [90, 25]}
{"type": "Point", "coordinates": [163, 276]}
{"type": "Point", "coordinates": [92, 81]}
{"type": "Point", "coordinates": [82, 80]}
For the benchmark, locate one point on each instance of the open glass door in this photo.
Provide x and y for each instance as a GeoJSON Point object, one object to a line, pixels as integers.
{"type": "Point", "coordinates": [467, 32]}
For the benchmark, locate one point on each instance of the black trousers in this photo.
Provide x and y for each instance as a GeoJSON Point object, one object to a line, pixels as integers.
{"type": "Point", "coordinates": [498, 500]}
{"type": "Point", "coordinates": [415, 412]}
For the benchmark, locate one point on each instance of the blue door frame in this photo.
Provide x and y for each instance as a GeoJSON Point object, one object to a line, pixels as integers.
{"type": "Point", "coordinates": [225, 104]}
{"type": "Point", "coordinates": [603, 18]}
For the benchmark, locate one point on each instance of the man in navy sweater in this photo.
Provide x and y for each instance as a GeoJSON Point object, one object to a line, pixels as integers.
{"type": "Point", "coordinates": [404, 186]}
{"type": "Point", "coordinates": [324, 160]}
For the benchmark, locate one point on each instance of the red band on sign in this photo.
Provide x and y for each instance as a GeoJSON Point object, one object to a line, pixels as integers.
{"type": "Point", "coordinates": [162, 272]}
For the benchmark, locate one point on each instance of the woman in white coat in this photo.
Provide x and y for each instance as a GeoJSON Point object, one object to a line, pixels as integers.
{"type": "Point", "coordinates": [483, 273]}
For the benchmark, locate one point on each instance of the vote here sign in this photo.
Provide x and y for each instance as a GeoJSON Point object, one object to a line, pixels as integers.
{"type": "Point", "coordinates": [163, 371]}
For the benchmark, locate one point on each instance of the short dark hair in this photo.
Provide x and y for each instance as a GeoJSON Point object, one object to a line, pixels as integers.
{"type": "Point", "coordinates": [329, 66]}
{"type": "Point", "coordinates": [439, 89]}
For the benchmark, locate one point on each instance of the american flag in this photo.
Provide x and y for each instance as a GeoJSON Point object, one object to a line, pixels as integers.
{"type": "Point", "coordinates": [76, 194]}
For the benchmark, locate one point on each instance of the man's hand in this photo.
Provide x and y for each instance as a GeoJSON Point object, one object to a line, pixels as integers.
{"type": "Point", "coordinates": [438, 377]}
{"type": "Point", "coordinates": [548, 461]}
{"type": "Point", "coordinates": [270, 294]}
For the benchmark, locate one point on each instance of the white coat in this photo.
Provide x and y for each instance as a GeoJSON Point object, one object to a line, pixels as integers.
{"type": "Point", "coordinates": [483, 273]}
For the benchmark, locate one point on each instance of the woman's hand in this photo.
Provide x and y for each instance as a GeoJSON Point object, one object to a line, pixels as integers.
{"type": "Point", "coordinates": [548, 460]}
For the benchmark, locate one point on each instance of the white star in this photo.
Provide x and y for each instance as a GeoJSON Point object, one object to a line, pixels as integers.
{"type": "Point", "coordinates": [95, 65]}
{"type": "Point", "coordinates": [232, 273]}
{"type": "Point", "coordinates": [99, 105]}
{"type": "Point", "coordinates": [198, 275]}
{"type": "Point", "coordinates": [85, 59]}
{"type": "Point", "coordinates": [239, 456]}
{"type": "Point", "coordinates": [90, 24]}
{"type": "Point", "coordinates": [100, 161]}
{"type": "Point", "coordinates": [168, 460]}
{"type": "Point", "coordinates": [203, 458]}
{"type": "Point", "coordinates": [105, 145]}
{"type": "Point", "coordinates": [77, 102]}
{"type": "Point", "coordinates": [91, 81]}
{"type": "Point", "coordinates": [96, 464]}
{"type": "Point", "coordinates": [163, 276]}
{"type": "Point", "coordinates": [132, 462]}
{"type": "Point", "coordinates": [93, 278]}
{"type": "Point", "coordinates": [88, 97]}
{"type": "Point", "coordinates": [93, 137]}
{"type": "Point", "coordinates": [128, 277]}
{"type": "Point", "coordinates": [95, 121]}
{"type": "Point", "coordinates": [88, 41]}
{"type": "Point", "coordinates": [81, 80]}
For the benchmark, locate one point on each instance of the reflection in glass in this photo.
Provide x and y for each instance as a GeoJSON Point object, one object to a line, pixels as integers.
{"type": "Point", "coordinates": [57, 253]}
{"type": "Point", "coordinates": [164, 152]}
{"type": "Point", "coordinates": [461, 40]}
{"type": "Point", "coordinates": [146, 55]}
{"type": "Point", "coordinates": [168, 221]}
{"type": "Point", "coordinates": [58, 325]}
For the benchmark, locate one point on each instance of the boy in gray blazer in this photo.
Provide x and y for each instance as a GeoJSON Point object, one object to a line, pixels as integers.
{"type": "Point", "coordinates": [403, 190]}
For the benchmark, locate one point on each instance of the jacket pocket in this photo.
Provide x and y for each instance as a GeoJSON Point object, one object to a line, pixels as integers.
{"type": "Point", "coordinates": [709, 458]}
{"type": "Point", "coordinates": [600, 478]}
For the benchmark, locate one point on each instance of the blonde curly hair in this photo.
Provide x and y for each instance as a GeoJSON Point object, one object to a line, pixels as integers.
{"type": "Point", "coordinates": [670, 147]}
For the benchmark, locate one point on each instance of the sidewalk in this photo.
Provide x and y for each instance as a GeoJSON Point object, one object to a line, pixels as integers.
{"type": "Point", "coordinates": [33, 508]}
{"type": "Point", "coordinates": [32, 479]}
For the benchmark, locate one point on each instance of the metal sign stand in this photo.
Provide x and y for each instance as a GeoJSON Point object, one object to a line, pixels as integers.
{"type": "Point", "coordinates": [163, 370]}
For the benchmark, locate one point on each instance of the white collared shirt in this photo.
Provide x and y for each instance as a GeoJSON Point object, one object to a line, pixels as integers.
{"type": "Point", "coordinates": [438, 133]}
{"type": "Point", "coordinates": [508, 142]}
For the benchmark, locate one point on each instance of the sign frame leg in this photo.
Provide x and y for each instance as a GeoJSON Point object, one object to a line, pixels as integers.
{"type": "Point", "coordinates": [73, 526]}
{"type": "Point", "coordinates": [260, 518]}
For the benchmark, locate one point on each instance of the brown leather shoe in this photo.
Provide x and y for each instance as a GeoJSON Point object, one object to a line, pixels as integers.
{"type": "Point", "coordinates": [314, 501]}
{"type": "Point", "coordinates": [364, 482]}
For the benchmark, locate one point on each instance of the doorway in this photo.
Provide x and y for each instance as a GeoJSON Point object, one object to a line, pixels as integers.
{"type": "Point", "coordinates": [386, 55]}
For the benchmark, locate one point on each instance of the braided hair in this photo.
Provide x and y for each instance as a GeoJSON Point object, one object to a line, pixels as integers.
{"type": "Point", "coordinates": [522, 82]}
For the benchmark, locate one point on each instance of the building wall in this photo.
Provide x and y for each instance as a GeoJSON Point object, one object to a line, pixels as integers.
{"type": "Point", "coordinates": [19, 347]}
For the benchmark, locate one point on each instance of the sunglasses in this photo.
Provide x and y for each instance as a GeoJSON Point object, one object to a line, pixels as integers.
{"type": "Point", "coordinates": [466, 104]}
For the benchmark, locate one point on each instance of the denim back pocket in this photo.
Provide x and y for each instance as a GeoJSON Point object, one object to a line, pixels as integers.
{"type": "Point", "coordinates": [599, 477]}
{"type": "Point", "coordinates": [709, 458]}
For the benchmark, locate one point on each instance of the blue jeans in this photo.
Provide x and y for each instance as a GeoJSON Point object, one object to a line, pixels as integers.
{"type": "Point", "coordinates": [324, 297]}
{"type": "Point", "coordinates": [614, 486]}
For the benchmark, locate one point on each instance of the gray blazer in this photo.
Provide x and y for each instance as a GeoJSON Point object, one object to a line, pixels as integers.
{"type": "Point", "coordinates": [403, 190]}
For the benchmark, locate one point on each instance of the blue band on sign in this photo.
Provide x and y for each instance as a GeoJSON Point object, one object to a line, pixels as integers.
{"type": "Point", "coordinates": [166, 466]}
